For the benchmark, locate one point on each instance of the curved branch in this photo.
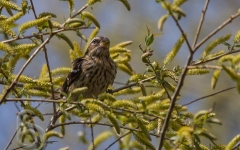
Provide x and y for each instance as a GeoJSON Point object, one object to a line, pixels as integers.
{"type": "Point", "coordinates": [229, 20]}
{"type": "Point", "coordinates": [23, 68]}
{"type": "Point", "coordinates": [219, 92]}
{"type": "Point", "coordinates": [98, 123]}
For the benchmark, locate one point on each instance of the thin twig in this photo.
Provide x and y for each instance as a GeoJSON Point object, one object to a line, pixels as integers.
{"type": "Point", "coordinates": [10, 142]}
{"type": "Point", "coordinates": [180, 28]}
{"type": "Point", "coordinates": [120, 83]}
{"type": "Point", "coordinates": [4, 74]}
{"type": "Point", "coordinates": [79, 11]}
{"type": "Point", "coordinates": [117, 140]}
{"type": "Point", "coordinates": [200, 23]}
{"type": "Point", "coordinates": [132, 84]}
{"type": "Point", "coordinates": [33, 9]}
{"type": "Point", "coordinates": [98, 123]}
{"type": "Point", "coordinates": [219, 92]}
{"type": "Point", "coordinates": [78, 103]}
{"type": "Point", "coordinates": [47, 33]}
{"type": "Point", "coordinates": [179, 85]}
{"type": "Point", "coordinates": [21, 85]}
{"type": "Point", "coordinates": [92, 134]}
{"type": "Point", "coordinates": [216, 58]}
{"type": "Point", "coordinates": [229, 20]}
{"type": "Point", "coordinates": [23, 68]}
{"type": "Point", "coordinates": [39, 100]}
{"type": "Point", "coordinates": [158, 78]}
{"type": "Point", "coordinates": [47, 62]}
{"type": "Point", "coordinates": [204, 67]}
{"type": "Point", "coordinates": [18, 95]}
{"type": "Point", "coordinates": [236, 146]}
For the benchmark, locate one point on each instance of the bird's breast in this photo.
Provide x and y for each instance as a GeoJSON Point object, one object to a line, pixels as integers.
{"type": "Point", "coordinates": [97, 75]}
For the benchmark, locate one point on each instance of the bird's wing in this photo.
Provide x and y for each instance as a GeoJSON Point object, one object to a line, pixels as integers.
{"type": "Point", "coordinates": [74, 74]}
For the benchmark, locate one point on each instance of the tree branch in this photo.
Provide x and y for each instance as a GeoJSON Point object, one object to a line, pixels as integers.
{"type": "Point", "coordinates": [133, 84]}
{"type": "Point", "coordinates": [219, 92]}
{"type": "Point", "coordinates": [200, 23]}
{"type": "Point", "coordinates": [179, 85]}
{"type": "Point", "coordinates": [216, 58]}
{"type": "Point", "coordinates": [98, 123]}
{"type": "Point", "coordinates": [23, 68]}
{"type": "Point", "coordinates": [229, 20]}
{"type": "Point", "coordinates": [10, 142]}
{"type": "Point", "coordinates": [47, 33]}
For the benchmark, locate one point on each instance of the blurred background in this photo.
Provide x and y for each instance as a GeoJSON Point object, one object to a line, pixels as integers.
{"type": "Point", "coordinates": [119, 24]}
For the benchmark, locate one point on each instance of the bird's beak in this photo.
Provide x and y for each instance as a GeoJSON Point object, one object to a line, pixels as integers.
{"type": "Point", "coordinates": [105, 43]}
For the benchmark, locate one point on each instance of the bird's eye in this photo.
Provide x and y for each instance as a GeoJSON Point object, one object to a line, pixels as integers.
{"type": "Point", "coordinates": [95, 41]}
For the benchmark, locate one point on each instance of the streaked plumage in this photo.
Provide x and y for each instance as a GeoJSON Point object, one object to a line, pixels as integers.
{"type": "Point", "coordinates": [95, 70]}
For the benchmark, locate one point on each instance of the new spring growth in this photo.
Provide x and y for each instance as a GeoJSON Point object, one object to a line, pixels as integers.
{"type": "Point", "coordinates": [146, 55]}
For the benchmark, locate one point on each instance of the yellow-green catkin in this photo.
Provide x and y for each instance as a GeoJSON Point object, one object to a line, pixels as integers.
{"type": "Point", "coordinates": [215, 43]}
{"type": "Point", "coordinates": [170, 56]}
{"type": "Point", "coordinates": [237, 37]}
{"type": "Point", "coordinates": [91, 17]}
{"type": "Point", "coordinates": [215, 78]}
{"type": "Point", "coordinates": [14, 18]}
{"type": "Point", "coordinates": [91, 2]}
{"type": "Point", "coordinates": [32, 23]}
{"type": "Point", "coordinates": [70, 5]}
{"type": "Point", "coordinates": [9, 5]}
{"type": "Point", "coordinates": [161, 21]}
{"type": "Point", "coordinates": [126, 4]}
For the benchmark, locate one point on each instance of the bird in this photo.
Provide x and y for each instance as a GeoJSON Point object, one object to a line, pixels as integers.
{"type": "Point", "coordinates": [95, 70]}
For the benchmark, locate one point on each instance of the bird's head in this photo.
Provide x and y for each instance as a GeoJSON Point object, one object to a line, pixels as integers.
{"type": "Point", "coordinates": [98, 47]}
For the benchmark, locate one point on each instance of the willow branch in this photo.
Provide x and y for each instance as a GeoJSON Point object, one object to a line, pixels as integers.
{"type": "Point", "coordinates": [47, 33]}
{"type": "Point", "coordinates": [133, 84]}
{"type": "Point", "coordinates": [23, 68]}
{"type": "Point", "coordinates": [92, 134]}
{"type": "Point", "coordinates": [210, 95]}
{"type": "Point", "coordinates": [200, 23]}
{"type": "Point", "coordinates": [77, 103]}
{"type": "Point", "coordinates": [216, 58]}
{"type": "Point", "coordinates": [179, 85]}
{"type": "Point", "coordinates": [79, 11]}
{"type": "Point", "coordinates": [229, 20]}
{"type": "Point", "coordinates": [98, 123]}
{"type": "Point", "coordinates": [10, 142]}
{"type": "Point", "coordinates": [117, 140]}
{"type": "Point", "coordinates": [204, 67]}
{"type": "Point", "coordinates": [47, 62]}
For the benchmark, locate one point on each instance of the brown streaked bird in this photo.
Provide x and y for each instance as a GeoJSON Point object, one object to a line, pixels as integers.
{"type": "Point", "coordinates": [95, 70]}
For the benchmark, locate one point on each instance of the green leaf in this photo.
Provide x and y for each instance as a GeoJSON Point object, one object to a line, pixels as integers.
{"type": "Point", "coordinates": [90, 16]}
{"type": "Point", "coordinates": [231, 73]}
{"type": "Point", "coordinates": [143, 128]}
{"type": "Point", "coordinates": [114, 122]}
{"type": "Point", "coordinates": [82, 36]}
{"type": "Point", "coordinates": [126, 4]}
{"type": "Point", "coordinates": [149, 39]}
{"type": "Point", "coordinates": [215, 78]}
{"type": "Point", "coordinates": [142, 140]}
{"type": "Point", "coordinates": [66, 39]}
